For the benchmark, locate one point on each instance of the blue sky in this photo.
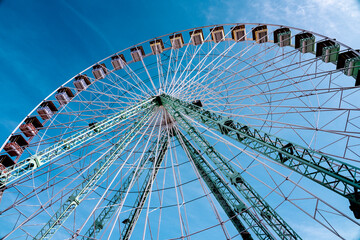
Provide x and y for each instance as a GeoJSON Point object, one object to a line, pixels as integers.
{"type": "Point", "coordinates": [45, 43]}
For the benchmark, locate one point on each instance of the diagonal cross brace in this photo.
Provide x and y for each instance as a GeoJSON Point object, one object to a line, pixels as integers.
{"type": "Point", "coordinates": [118, 198]}
{"type": "Point", "coordinates": [145, 190]}
{"type": "Point", "coordinates": [228, 200]}
{"type": "Point", "coordinates": [47, 155]}
{"type": "Point", "coordinates": [280, 227]}
{"type": "Point", "coordinates": [336, 175]}
{"type": "Point", "coordinates": [106, 160]}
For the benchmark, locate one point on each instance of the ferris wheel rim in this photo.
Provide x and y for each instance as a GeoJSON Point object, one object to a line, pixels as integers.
{"type": "Point", "coordinates": [48, 97]}
{"type": "Point", "coordinates": [162, 36]}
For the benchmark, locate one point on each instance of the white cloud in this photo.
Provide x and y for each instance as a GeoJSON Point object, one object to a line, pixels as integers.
{"type": "Point", "coordinates": [89, 23]}
{"type": "Point", "coordinates": [335, 19]}
{"type": "Point", "coordinates": [314, 232]}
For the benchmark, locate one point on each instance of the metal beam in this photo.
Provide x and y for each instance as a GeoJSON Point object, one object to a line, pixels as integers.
{"type": "Point", "coordinates": [45, 156]}
{"type": "Point", "coordinates": [338, 176]}
{"type": "Point", "coordinates": [280, 227]}
{"type": "Point", "coordinates": [118, 198]}
{"type": "Point", "coordinates": [130, 222]}
{"type": "Point", "coordinates": [228, 200]}
{"type": "Point", "coordinates": [106, 160]}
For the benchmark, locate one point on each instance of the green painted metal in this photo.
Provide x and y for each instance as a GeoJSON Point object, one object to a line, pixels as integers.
{"type": "Point", "coordinates": [106, 160]}
{"type": "Point", "coordinates": [228, 200]}
{"type": "Point", "coordinates": [331, 53]}
{"type": "Point", "coordinates": [108, 211]}
{"type": "Point", "coordinates": [130, 222]}
{"type": "Point", "coordinates": [352, 66]}
{"type": "Point", "coordinates": [327, 171]}
{"type": "Point", "coordinates": [307, 44]}
{"type": "Point", "coordinates": [279, 226]}
{"type": "Point", "coordinates": [45, 156]}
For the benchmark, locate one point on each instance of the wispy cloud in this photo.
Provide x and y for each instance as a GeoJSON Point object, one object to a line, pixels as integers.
{"type": "Point", "coordinates": [333, 18]}
{"type": "Point", "coordinates": [314, 232]}
{"type": "Point", "coordinates": [88, 23]}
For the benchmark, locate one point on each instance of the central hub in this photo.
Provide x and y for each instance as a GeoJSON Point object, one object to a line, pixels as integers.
{"type": "Point", "coordinates": [157, 99]}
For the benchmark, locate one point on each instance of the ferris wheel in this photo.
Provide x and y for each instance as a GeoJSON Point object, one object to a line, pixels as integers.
{"type": "Point", "coordinates": [233, 131]}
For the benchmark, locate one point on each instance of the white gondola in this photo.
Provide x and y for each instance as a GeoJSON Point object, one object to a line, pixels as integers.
{"type": "Point", "coordinates": [157, 46]}
{"type": "Point", "coordinates": [16, 145]}
{"type": "Point", "coordinates": [46, 110]}
{"type": "Point", "coordinates": [31, 126]}
{"type": "Point", "coordinates": [99, 71]}
{"type": "Point", "coordinates": [217, 34]}
{"type": "Point", "coordinates": [197, 36]}
{"type": "Point", "coordinates": [137, 53]}
{"type": "Point", "coordinates": [177, 41]}
{"type": "Point", "coordinates": [81, 82]}
{"type": "Point", "coordinates": [238, 33]}
{"type": "Point", "coordinates": [260, 34]}
{"type": "Point", "coordinates": [118, 61]}
{"type": "Point", "coordinates": [64, 95]}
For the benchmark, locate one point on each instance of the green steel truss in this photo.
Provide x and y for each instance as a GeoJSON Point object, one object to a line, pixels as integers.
{"type": "Point", "coordinates": [118, 198]}
{"type": "Point", "coordinates": [145, 190]}
{"type": "Point", "coordinates": [280, 227]}
{"type": "Point", "coordinates": [106, 160]}
{"type": "Point", "coordinates": [331, 173]}
{"type": "Point", "coordinates": [228, 200]}
{"type": "Point", "coordinates": [45, 156]}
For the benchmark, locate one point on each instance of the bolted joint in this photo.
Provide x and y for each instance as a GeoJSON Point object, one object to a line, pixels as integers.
{"type": "Point", "coordinates": [239, 208]}
{"type": "Point", "coordinates": [126, 221]}
{"type": "Point", "coordinates": [236, 178]}
{"type": "Point", "coordinates": [227, 123]}
{"type": "Point", "coordinates": [354, 203]}
{"type": "Point", "coordinates": [74, 200]}
{"type": "Point", "coordinates": [94, 126]}
{"type": "Point", "coordinates": [157, 101]}
{"type": "Point", "coordinates": [197, 103]}
{"type": "Point", "coordinates": [265, 213]}
{"type": "Point", "coordinates": [34, 162]}
{"type": "Point", "coordinates": [99, 224]}
{"type": "Point", "coordinates": [66, 145]}
{"type": "Point", "coordinates": [289, 148]}
{"type": "Point", "coordinates": [210, 149]}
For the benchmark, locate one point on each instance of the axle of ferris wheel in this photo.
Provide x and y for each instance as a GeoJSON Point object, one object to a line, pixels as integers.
{"type": "Point", "coordinates": [336, 175]}
{"type": "Point", "coordinates": [329, 172]}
